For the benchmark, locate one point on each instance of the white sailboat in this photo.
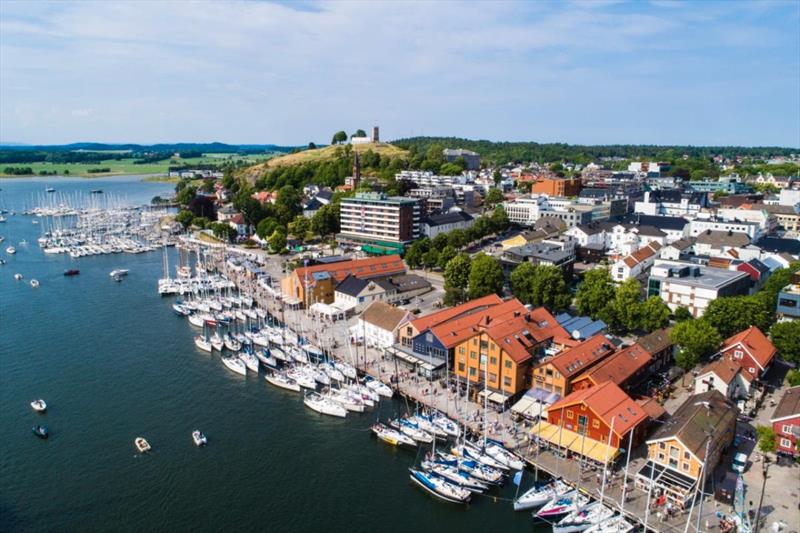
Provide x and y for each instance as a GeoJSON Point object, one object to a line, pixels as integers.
{"type": "Point", "coordinates": [342, 397]}
{"type": "Point", "coordinates": [281, 380]}
{"type": "Point", "coordinates": [539, 495]}
{"type": "Point", "coordinates": [582, 519]}
{"type": "Point", "coordinates": [203, 343]}
{"type": "Point", "coordinates": [324, 406]}
{"type": "Point", "coordinates": [250, 361]}
{"type": "Point", "coordinates": [392, 436]}
{"type": "Point", "coordinates": [235, 364]}
{"type": "Point", "coordinates": [440, 488]}
{"type": "Point", "coordinates": [617, 524]}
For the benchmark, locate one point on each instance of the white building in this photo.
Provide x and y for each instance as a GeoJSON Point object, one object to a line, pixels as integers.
{"type": "Point", "coordinates": [671, 203]}
{"type": "Point", "coordinates": [699, 226]}
{"type": "Point", "coordinates": [789, 197]}
{"type": "Point", "coordinates": [377, 326]}
{"type": "Point", "coordinates": [635, 264]}
{"type": "Point", "coordinates": [527, 210]}
{"type": "Point", "coordinates": [433, 225]}
{"type": "Point", "coordinates": [726, 376]}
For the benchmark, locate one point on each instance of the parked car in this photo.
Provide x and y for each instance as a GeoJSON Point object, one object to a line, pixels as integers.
{"type": "Point", "coordinates": [739, 463]}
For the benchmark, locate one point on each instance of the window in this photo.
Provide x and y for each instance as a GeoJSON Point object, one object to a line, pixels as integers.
{"type": "Point", "coordinates": [674, 452]}
{"type": "Point", "coordinates": [484, 345]}
{"type": "Point", "coordinates": [473, 355]}
{"type": "Point", "coordinates": [507, 381]}
{"type": "Point", "coordinates": [596, 424]}
{"type": "Point", "coordinates": [492, 377]}
{"type": "Point", "coordinates": [685, 466]}
{"type": "Point", "coordinates": [786, 429]}
{"type": "Point", "coordinates": [687, 456]}
{"type": "Point", "coordinates": [661, 457]}
{"type": "Point", "coordinates": [493, 360]}
{"type": "Point", "coordinates": [737, 354]}
{"type": "Point", "coordinates": [508, 363]}
{"type": "Point", "coordinates": [409, 331]}
{"type": "Point", "coordinates": [472, 372]}
{"type": "Point", "coordinates": [662, 446]}
{"type": "Point", "coordinates": [460, 367]}
{"type": "Point", "coordinates": [461, 350]}
{"type": "Point", "coordinates": [570, 415]}
{"type": "Point", "coordinates": [752, 370]}
{"type": "Point", "coordinates": [549, 372]}
{"type": "Point", "coordinates": [784, 302]}
{"type": "Point", "coordinates": [673, 463]}
{"type": "Point", "coordinates": [786, 443]}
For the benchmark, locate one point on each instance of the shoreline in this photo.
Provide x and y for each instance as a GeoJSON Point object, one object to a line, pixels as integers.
{"type": "Point", "coordinates": [161, 178]}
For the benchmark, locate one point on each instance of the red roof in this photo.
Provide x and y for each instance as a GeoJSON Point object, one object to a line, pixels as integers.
{"type": "Point", "coordinates": [361, 268]}
{"type": "Point", "coordinates": [238, 218]}
{"type": "Point", "coordinates": [619, 367]}
{"type": "Point", "coordinates": [754, 343]}
{"type": "Point", "coordinates": [608, 402]}
{"type": "Point", "coordinates": [428, 321]}
{"type": "Point", "coordinates": [572, 361]}
{"type": "Point", "coordinates": [724, 369]}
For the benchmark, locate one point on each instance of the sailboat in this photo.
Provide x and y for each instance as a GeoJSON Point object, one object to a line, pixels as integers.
{"type": "Point", "coordinates": [324, 405]}
{"type": "Point", "coordinates": [438, 487]}
{"type": "Point", "coordinates": [411, 430]}
{"type": "Point", "coordinates": [582, 519]}
{"type": "Point", "coordinates": [562, 505]}
{"type": "Point", "coordinates": [454, 475]}
{"type": "Point", "coordinates": [343, 398]}
{"type": "Point", "coordinates": [203, 343]}
{"type": "Point", "coordinates": [392, 436]}
{"type": "Point", "coordinates": [281, 380]}
{"type": "Point", "coordinates": [498, 451]}
{"type": "Point", "coordinates": [617, 524]}
{"type": "Point", "coordinates": [481, 471]}
{"type": "Point", "coordinates": [250, 361]}
{"type": "Point", "coordinates": [539, 495]}
{"type": "Point", "coordinates": [235, 364]}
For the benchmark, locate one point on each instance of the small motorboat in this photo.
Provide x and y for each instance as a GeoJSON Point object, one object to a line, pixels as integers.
{"type": "Point", "coordinates": [198, 438]}
{"type": "Point", "coordinates": [17, 277]}
{"type": "Point", "coordinates": [142, 446]}
{"type": "Point", "coordinates": [41, 431]}
{"type": "Point", "coordinates": [34, 283]}
{"type": "Point", "coordinates": [118, 272]}
{"type": "Point", "coordinates": [50, 189]}
{"type": "Point", "coordinates": [444, 490]}
{"type": "Point", "coordinates": [39, 405]}
{"type": "Point", "coordinates": [72, 272]}
{"type": "Point", "coordinates": [96, 191]}
{"type": "Point", "coordinates": [11, 250]}
{"type": "Point", "coordinates": [118, 278]}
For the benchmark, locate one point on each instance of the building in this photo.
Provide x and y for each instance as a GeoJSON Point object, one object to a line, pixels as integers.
{"type": "Point", "coordinates": [556, 374]}
{"type": "Point", "coordinates": [790, 197]}
{"type": "Point", "coordinates": [556, 186]}
{"type": "Point", "coordinates": [635, 264]}
{"type": "Point", "coordinates": [672, 203]}
{"type": "Point", "coordinates": [433, 225]}
{"type": "Point", "coordinates": [725, 184]}
{"type": "Point", "coordinates": [625, 368]}
{"type": "Point", "coordinates": [789, 300]}
{"type": "Point", "coordinates": [472, 159]}
{"type": "Point", "coordinates": [526, 211]}
{"type": "Point", "coordinates": [315, 284]}
{"type": "Point", "coordinates": [751, 349]}
{"type": "Point", "coordinates": [646, 167]}
{"type": "Point", "coordinates": [786, 217]}
{"type": "Point", "coordinates": [660, 347]}
{"type": "Point", "coordinates": [540, 253]}
{"type": "Point", "coordinates": [692, 286]}
{"type": "Point", "coordinates": [428, 180]}
{"type": "Point", "coordinates": [378, 325]}
{"type": "Point", "coordinates": [684, 451]}
{"type": "Point", "coordinates": [712, 243]}
{"type": "Point", "coordinates": [724, 376]}
{"type": "Point", "coordinates": [377, 218]}
{"type": "Point", "coordinates": [678, 250]}
{"type": "Point", "coordinates": [786, 422]}
{"type": "Point", "coordinates": [581, 327]}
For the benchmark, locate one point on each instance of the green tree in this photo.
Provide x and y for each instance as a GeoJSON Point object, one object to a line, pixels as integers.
{"type": "Point", "coordinates": [654, 314]}
{"type": "Point", "coordinates": [793, 378]}
{"type": "Point", "coordinates": [786, 338]}
{"type": "Point", "coordinates": [499, 220]}
{"type": "Point", "coordinates": [201, 222]}
{"type": "Point", "coordinates": [325, 221]}
{"type": "Point", "coordinates": [695, 339]}
{"type": "Point", "coordinates": [497, 176]}
{"type": "Point", "coordinates": [223, 231]}
{"type": "Point", "coordinates": [485, 276]}
{"type": "Point", "coordinates": [450, 169]}
{"type": "Point", "coordinates": [624, 311]}
{"type": "Point", "coordinates": [184, 218]}
{"type": "Point", "coordinates": [360, 133]}
{"type": "Point", "coordinates": [440, 241]}
{"type": "Point", "coordinates": [414, 253]}
{"type": "Point", "coordinates": [208, 185]}
{"type": "Point", "coordinates": [431, 258]}
{"type": "Point", "coordinates": [682, 313]}
{"type": "Point", "coordinates": [312, 146]}
{"type": "Point", "coordinates": [457, 238]}
{"type": "Point", "coordinates": [494, 197]}
{"type": "Point", "coordinates": [277, 241]}
{"type": "Point", "coordinates": [453, 296]}
{"type": "Point", "coordinates": [734, 314]}
{"type": "Point", "coordinates": [186, 195]}
{"type": "Point", "coordinates": [595, 292]}
{"type": "Point", "coordinates": [300, 227]}
{"type": "Point", "coordinates": [540, 285]}
{"type": "Point", "coordinates": [456, 273]}
{"type": "Point", "coordinates": [339, 137]}
{"type": "Point", "coordinates": [447, 253]}
{"type": "Point", "coordinates": [266, 228]}
{"type": "Point", "coordinates": [766, 439]}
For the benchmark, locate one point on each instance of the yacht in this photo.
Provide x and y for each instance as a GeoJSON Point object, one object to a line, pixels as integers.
{"type": "Point", "coordinates": [562, 505]}
{"type": "Point", "coordinates": [539, 495]}
{"type": "Point", "coordinates": [235, 364]}
{"type": "Point", "coordinates": [231, 343]}
{"type": "Point", "coordinates": [324, 406]}
{"type": "Point", "coordinates": [381, 388]}
{"type": "Point", "coordinates": [617, 524]}
{"type": "Point", "coordinates": [39, 405]}
{"type": "Point", "coordinates": [302, 379]}
{"type": "Point", "coordinates": [411, 430]}
{"type": "Point", "coordinates": [41, 431]}
{"type": "Point", "coordinates": [198, 438]}
{"type": "Point", "coordinates": [280, 379]}
{"type": "Point", "coordinates": [426, 425]}
{"type": "Point", "coordinates": [216, 342]}
{"type": "Point", "coordinates": [332, 372]}
{"type": "Point", "coordinates": [392, 436]}
{"type": "Point", "coordinates": [11, 250]}
{"type": "Point", "coordinates": [320, 376]}
{"type": "Point", "coordinates": [344, 399]}
{"type": "Point", "coordinates": [203, 344]}
{"type": "Point", "coordinates": [583, 519]}
{"type": "Point", "coordinates": [498, 451]}
{"type": "Point", "coordinates": [266, 359]}
{"type": "Point", "coordinates": [181, 310]}
{"type": "Point", "coordinates": [482, 472]}
{"type": "Point", "coordinates": [118, 273]}
{"type": "Point", "coordinates": [250, 361]}
{"type": "Point", "coordinates": [454, 476]}
{"type": "Point", "coordinates": [468, 451]}
{"type": "Point", "coordinates": [50, 189]}
{"type": "Point", "coordinates": [346, 369]}
{"type": "Point", "coordinates": [446, 425]}
{"type": "Point", "coordinates": [440, 488]}
{"type": "Point", "coordinates": [34, 283]}
{"type": "Point", "coordinates": [141, 444]}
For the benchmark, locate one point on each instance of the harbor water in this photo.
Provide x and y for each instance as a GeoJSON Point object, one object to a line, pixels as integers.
{"type": "Point", "coordinates": [113, 362]}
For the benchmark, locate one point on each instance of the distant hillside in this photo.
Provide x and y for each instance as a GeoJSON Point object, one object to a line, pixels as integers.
{"type": "Point", "coordinates": [215, 147]}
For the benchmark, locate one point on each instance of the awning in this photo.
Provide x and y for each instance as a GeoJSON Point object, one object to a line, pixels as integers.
{"type": "Point", "coordinates": [405, 357]}
{"type": "Point", "coordinates": [558, 436]}
{"type": "Point", "coordinates": [534, 403]}
{"type": "Point", "coordinates": [494, 397]}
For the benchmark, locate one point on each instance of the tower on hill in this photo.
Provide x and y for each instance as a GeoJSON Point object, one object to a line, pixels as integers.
{"type": "Point", "coordinates": [375, 134]}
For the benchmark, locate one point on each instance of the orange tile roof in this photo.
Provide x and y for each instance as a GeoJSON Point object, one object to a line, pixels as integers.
{"type": "Point", "coordinates": [620, 366]}
{"type": "Point", "coordinates": [424, 322]}
{"type": "Point", "coordinates": [755, 343]}
{"type": "Point", "coordinates": [518, 335]}
{"type": "Point", "coordinates": [460, 328]}
{"type": "Point", "coordinates": [609, 402]}
{"type": "Point", "coordinates": [724, 369]}
{"type": "Point", "coordinates": [573, 360]}
{"type": "Point", "coordinates": [360, 268]}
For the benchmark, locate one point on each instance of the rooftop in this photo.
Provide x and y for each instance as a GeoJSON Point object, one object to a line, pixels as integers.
{"type": "Point", "coordinates": [610, 403]}
{"type": "Point", "coordinates": [755, 343]}
{"type": "Point", "coordinates": [573, 360]}
{"type": "Point", "coordinates": [694, 275]}
{"type": "Point", "coordinates": [789, 406]}
{"type": "Point", "coordinates": [619, 367]}
{"type": "Point", "coordinates": [724, 369]}
{"type": "Point", "coordinates": [383, 315]}
{"type": "Point", "coordinates": [360, 268]}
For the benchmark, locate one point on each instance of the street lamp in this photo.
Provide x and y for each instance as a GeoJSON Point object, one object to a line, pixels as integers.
{"type": "Point", "coordinates": [764, 469]}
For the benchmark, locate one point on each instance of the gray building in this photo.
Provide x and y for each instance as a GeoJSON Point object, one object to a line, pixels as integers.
{"type": "Point", "coordinates": [473, 159]}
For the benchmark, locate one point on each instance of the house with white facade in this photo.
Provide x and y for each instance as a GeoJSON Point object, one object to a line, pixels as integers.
{"type": "Point", "coordinates": [635, 264]}
{"type": "Point", "coordinates": [377, 326]}
{"type": "Point", "coordinates": [725, 376]}
{"type": "Point", "coordinates": [698, 226]}
{"type": "Point", "coordinates": [433, 225]}
{"type": "Point", "coordinates": [717, 243]}
{"type": "Point", "coordinates": [672, 203]}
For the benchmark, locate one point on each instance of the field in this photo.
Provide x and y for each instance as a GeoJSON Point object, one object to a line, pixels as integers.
{"type": "Point", "coordinates": [126, 166]}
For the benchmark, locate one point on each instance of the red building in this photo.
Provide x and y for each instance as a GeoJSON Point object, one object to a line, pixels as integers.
{"type": "Point", "coordinates": [786, 422]}
{"type": "Point", "coordinates": [751, 349]}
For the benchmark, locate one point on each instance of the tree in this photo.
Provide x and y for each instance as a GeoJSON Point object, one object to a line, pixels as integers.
{"type": "Point", "coordinates": [277, 241]}
{"type": "Point", "coordinates": [453, 296]}
{"type": "Point", "coordinates": [682, 313]}
{"type": "Point", "coordinates": [766, 439]}
{"type": "Point", "coordinates": [654, 314]}
{"type": "Point", "coordinates": [186, 194]}
{"type": "Point", "coordinates": [440, 241]}
{"type": "Point", "coordinates": [450, 169]}
{"type": "Point", "coordinates": [793, 378]}
{"type": "Point", "coordinates": [497, 176]}
{"type": "Point", "coordinates": [456, 273]}
{"type": "Point", "coordinates": [208, 185]}
{"type": "Point", "coordinates": [596, 290]}
{"type": "Point", "coordinates": [447, 253]}
{"type": "Point", "coordinates": [499, 220]}
{"type": "Point", "coordinates": [201, 222]}
{"type": "Point", "coordinates": [696, 339]}
{"type": "Point", "coordinates": [414, 255]}
{"type": "Point", "coordinates": [457, 238]}
{"type": "Point", "coordinates": [184, 218]}
{"type": "Point", "coordinates": [312, 146]}
{"type": "Point", "coordinates": [300, 227]}
{"type": "Point", "coordinates": [326, 220]}
{"type": "Point", "coordinates": [540, 285]}
{"type": "Point", "coordinates": [266, 228]}
{"type": "Point", "coordinates": [360, 133]}
{"type": "Point", "coordinates": [339, 137]}
{"type": "Point", "coordinates": [734, 314]}
{"type": "Point", "coordinates": [624, 310]}
{"type": "Point", "coordinates": [431, 258]}
{"type": "Point", "coordinates": [786, 338]}
{"type": "Point", "coordinates": [223, 231]}
{"type": "Point", "coordinates": [494, 197]}
{"type": "Point", "coordinates": [485, 276]}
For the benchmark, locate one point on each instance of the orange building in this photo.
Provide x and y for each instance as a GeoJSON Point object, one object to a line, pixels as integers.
{"type": "Point", "coordinates": [556, 186]}
{"type": "Point", "coordinates": [623, 368]}
{"type": "Point", "coordinates": [417, 326]}
{"type": "Point", "coordinates": [556, 374]}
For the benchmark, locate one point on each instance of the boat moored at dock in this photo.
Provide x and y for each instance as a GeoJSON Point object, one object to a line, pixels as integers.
{"type": "Point", "coordinates": [325, 406]}
{"type": "Point", "coordinates": [440, 488]}
{"type": "Point", "coordinates": [235, 364]}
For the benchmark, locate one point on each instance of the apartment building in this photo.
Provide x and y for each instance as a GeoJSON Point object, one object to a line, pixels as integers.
{"type": "Point", "coordinates": [526, 211]}
{"type": "Point", "coordinates": [556, 186]}
{"type": "Point", "coordinates": [556, 374]}
{"type": "Point", "coordinates": [375, 217]}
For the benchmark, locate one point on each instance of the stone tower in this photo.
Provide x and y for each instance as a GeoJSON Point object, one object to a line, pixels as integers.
{"type": "Point", "coordinates": [375, 134]}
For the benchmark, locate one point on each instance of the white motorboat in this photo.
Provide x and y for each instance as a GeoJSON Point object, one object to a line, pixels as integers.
{"type": "Point", "coordinates": [499, 452]}
{"type": "Point", "coordinates": [392, 436]}
{"type": "Point", "coordinates": [216, 342]}
{"type": "Point", "coordinates": [198, 438]}
{"type": "Point", "coordinates": [11, 250]}
{"type": "Point", "coordinates": [562, 505]}
{"type": "Point", "coordinates": [18, 277]}
{"type": "Point", "coordinates": [203, 344]}
{"type": "Point", "coordinates": [279, 379]}
{"type": "Point", "coordinates": [617, 524]}
{"type": "Point", "coordinates": [235, 364]}
{"type": "Point", "coordinates": [324, 406]}
{"type": "Point", "coordinates": [584, 518]}
{"type": "Point", "coordinates": [141, 444]}
{"type": "Point", "coordinates": [118, 273]}
{"type": "Point", "coordinates": [342, 397]}
{"type": "Point", "coordinates": [444, 490]}
{"type": "Point", "coordinates": [39, 405]}
{"type": "Point", "coordinates": [381, 388]}
{"type": "Point", "coordinates": [539, 495]}
{"type": "Point", "coordinates": [34, 283]}
{"type": "Point", "coordinates": [250, 361]}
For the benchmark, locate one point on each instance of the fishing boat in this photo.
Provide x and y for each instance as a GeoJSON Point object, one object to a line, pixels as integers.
{"type": "Point", "coordinates": [562, 505]}
{"type": "Point", "coordinates": [391, 436]}
{"type": "Point", "coordinates": [584, 518]}
{"type": "Point", "coordinates": [250, 361]}
{"type": "Point", "coordinates": [280, 379]}
{"type": "Point", "coordinates": [412, 430]}
{"type": "Point", "coordinates": [118, 272]}
{"type": "Point", "coordinates": [617, 524]}
{"type": "Point", "coordinates": [34, 283]}
{"type": "Point", "coordinates": [202, 343]}
{"type": "Point", "coordinates": [439, 488]}
{"type": "Point", "coordinates": [454, 475]}
{"type": "Point", "coordinates": [141, 445]}
{"type": "Point", "coordinates": [539, 495]}
{"type": "Point", "coordinates": [235, 364]}
{"type": "Point", "coordinates": [198, 438]}
{"type": "Point", "coordinates": [18, 277]}
{"type": "Point", "coordinates": [498, 451]}
{"type": "Point", "coordinates": [324, 406]}
{"type": "Point", "coordinates": [39, 405]}
{"type": "Point", "coordinates": [381, 388]}
{"type": "Point", "coordinates": [41, 431]}
{"type": "Point", "coordinates": [11, 250]}
{"type": "Point", "coordinates": [72, 272]}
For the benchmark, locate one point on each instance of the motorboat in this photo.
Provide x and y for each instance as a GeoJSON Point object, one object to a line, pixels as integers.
{"type": "Point", "coordinates": [141, 444]}
{"type": "Point", "coordinates": [468, 451]}
{"type": "Point", "coordinates": [412, 430]}
{"type": "Point", "coordinates": [539, 495]}
{"type": "Point", "coordinates": [391, 436]}
{"type": "Point", "coordinates": [181, 310]}
{"type": "Point", "coordinates": [118, 272]}
{"type": "Point", "coordinates": [250, 361]}
{"type": "Point", "coordinates": [11, 250]}
{"type": "Point", "coordinates": [496, 450]}
{"type": "Point", "coordinates": [41, 431]}
{"type": "Point", "coordinates": [235, 364]}
{"type": "Point", "coordinates": [280, 379]}
{"type": "Point", "coordinates": [72, 272]}
{"type": "Point", "coordinates": [18, 277]}
{"type": "Point", "coordinates": [616, 524]}
{"type": "Point", "coordinates": [482, 472]}
{"type": "Point", "coordinates": [118, 279]}
{"type": "Point", "coordinates": [454, 476]}
{"type": "Point", "coordinates": [34, 283]}
{"type": "Point", "coordinates": [198, 438]}
{"type": "Point", "coordinates": [39, 405]}
{"type": "Point", "coordinates": [324, 405]}
{"type": "Point", "coordinates": [562, 505]}
{"type": "Point", "coordinates": [50, 189]}
{"type": "Point", "coordinates": [381, 388]}
{"type": "Point", "coordinates": [343, 398]}
{"type": "Point", "coordinates": [438, 487]}
{"type": "Point", "coordinates": [96, 191]}
{"type": "Point", "coordinates": [584, 518]}
{"type": "Point", "coordinates": [203, 344]}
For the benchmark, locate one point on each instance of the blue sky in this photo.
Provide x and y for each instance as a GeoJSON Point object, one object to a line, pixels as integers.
{"type": "Point", "coordinates": [595, 72]}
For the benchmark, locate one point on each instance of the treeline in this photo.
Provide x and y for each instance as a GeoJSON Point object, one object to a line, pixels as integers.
{"type": "Point", "coordinates": [25, 156]}
{"type": "Point", "coordinates": [528, 152]}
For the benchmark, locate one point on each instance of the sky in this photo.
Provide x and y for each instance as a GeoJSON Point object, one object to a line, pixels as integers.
{"type": "Point", "coordinates": [258, 72]}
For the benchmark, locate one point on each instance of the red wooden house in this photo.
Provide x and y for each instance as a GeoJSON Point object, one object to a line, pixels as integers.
{"type": "Point", "coordinates": [786, 422]}
{"type": "Point", "coordinates": [751, 349]}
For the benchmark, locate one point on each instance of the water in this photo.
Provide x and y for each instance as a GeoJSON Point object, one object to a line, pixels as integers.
{"type": "Point", "coordinates": [113, 363]}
